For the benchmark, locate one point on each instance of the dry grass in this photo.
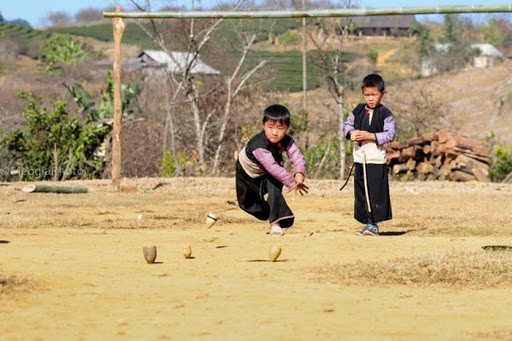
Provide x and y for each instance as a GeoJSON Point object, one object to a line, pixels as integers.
{"type": "Point", "coordinates": [419, 208]}
{"type": "Point", "coordinates": [10, 284]}
{"type": "Point", "coordinates": [457, 269]}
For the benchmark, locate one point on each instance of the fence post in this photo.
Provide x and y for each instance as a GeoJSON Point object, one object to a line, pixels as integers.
{"type": "Point", "coordinates": [118, 26]}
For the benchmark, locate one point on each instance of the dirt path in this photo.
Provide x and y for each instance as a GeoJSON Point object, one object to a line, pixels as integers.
{"type": "Point", "coordinates": [93, 283]}
{"type": "Point", "coordinates": [381, 59]}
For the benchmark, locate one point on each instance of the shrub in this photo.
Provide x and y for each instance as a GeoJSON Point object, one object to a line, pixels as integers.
{"type": "Point", "coordinates": [501, 164]}
{"type": "Point", "coordinates": [54, 145]}
{"type": "Point", "coordinates": [288, 37]}
{"type": "Point", "coordinates": [60, 49]}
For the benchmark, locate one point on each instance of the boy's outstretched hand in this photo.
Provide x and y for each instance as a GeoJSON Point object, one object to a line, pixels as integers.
{"type": "Point", "coordinates": [300, 187]}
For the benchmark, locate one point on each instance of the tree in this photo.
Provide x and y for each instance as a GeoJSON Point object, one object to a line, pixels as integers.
{"type": "Point", "coordinates": [417, 110]}
{"type": "Point", "coordinates": [334, 70]}
{"type": "Point", "coordinates": [54, 145]}
{"type": "Point", "coordinates": [88, 15]}
{"type": "Point", "coordinates": [425, 41]}
{"type": "Point", "coordinates": [196, 91]}
{"type": "Point", "coordinates": [457, 35]}
{"type": "Point", "coordinates": [21, 22]}
{"type": "Point", "coordinates": [60, 48]}
{"type": "Point", "coordinates": [59, 18]}
{"type": "Point", "coordinates": [498, 32]}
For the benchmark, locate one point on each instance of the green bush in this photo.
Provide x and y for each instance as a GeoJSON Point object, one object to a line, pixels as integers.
{"type": "Point", "coordinates": [373, 55]}
{"type": "Point", "coordinates": [501, 164]}
{"type": "Point", "coordinates": [288, 38]}
{"type": "Point", "coordinates": [54, 145]}
{"type": "Point", "coordinates": [60, 49]}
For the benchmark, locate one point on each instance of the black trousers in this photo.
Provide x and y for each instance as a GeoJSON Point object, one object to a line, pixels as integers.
{"type": "Point", "coordinates": [250, 194]}
{"type": "Point", "coordinates": [378, 190]}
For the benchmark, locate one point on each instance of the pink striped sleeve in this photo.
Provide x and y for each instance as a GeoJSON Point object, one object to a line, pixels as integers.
{"type": "Point", "coordinates": [296, 158]}
{"type": "Point", "coordinates": [268, 162]}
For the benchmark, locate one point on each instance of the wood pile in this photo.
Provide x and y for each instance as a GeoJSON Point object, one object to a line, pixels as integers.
{"type": "Point", "coordinates": [439, 156]}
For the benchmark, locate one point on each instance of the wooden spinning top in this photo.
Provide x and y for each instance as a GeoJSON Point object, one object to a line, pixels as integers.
{"type": "Point", "coordinates": [274, 252]}
{"type": "Point", "coordinates": [187, 250]}
{"type": "Point", "coordinates": [211, 219]}
{"type": "Point", "coordinates": [149, 253]}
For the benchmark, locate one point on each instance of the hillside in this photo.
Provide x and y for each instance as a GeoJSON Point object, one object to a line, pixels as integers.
{"type": "Point", "coordinates": [476, 101]}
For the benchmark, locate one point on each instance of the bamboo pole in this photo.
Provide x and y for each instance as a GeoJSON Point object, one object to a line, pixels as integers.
{"type": "Point", "coordinates": [53, 189]}
{"type": "Point", "coordinates": [345, 12]}
{"type": "Point", "coordinates": [119, 27]}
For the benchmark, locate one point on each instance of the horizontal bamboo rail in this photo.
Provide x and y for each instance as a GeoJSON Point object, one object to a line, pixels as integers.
{"type": "Point", "coordinates": [345, 12]}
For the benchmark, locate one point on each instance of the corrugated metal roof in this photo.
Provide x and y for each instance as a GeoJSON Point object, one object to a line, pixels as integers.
{"type": "Point", "coordinates": [487, 50]}
{"type": "Point", "coordinates": [182, 58]}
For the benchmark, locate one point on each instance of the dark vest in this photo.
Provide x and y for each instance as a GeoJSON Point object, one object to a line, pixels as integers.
{"type": "Point", "coordinates": [361, 120]}
{"type": "Point", "coordinates": [261, 141]}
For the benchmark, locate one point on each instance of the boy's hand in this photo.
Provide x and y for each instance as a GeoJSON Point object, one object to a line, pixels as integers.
{"type": "Point", "coordinates": [361, 136]}
{"type": "Point", "coordinates": [301, 189]}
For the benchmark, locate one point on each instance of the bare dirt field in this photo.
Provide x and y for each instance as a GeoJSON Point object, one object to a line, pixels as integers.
{"type": "Point", "coordinates": [72, 268]}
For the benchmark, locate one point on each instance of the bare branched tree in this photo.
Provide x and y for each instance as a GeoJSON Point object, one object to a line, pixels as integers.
{"type": "Point", "coordinates": [418, 110]}
{"type": "Point", "coordinates": [233, 93]}
{"type": "Point", "coordinates": [193, 38]}
{"type": "Point", "coordinates": [329, 60]}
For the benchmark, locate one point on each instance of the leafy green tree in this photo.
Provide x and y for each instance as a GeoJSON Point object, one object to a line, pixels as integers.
{"type": "Point", "coordinates": [60, 48]}
{"type": "Point", "coordinates": [54, 145]}
{"type": "Point", "coordinates": [492, 33]}
{"type": "Point", "coordinates": [449, 30]}
{"type": "Point", "coordinates": [86, 104]}
{"type": "Point", "coordinates": [425, 41]}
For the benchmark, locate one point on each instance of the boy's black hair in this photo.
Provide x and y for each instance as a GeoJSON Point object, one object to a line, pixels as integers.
{"type": "Point", "coordinates": [373, 81]}
{"type": "Point", "coordinates": [278, 113]}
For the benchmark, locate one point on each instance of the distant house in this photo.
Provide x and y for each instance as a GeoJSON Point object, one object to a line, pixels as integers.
{"type": "Point", "coordinates": [161, 62]}
{"type": "Point", "coordinates": [487, 56]}
{"type": "Point", "coordinates": [385, 25]}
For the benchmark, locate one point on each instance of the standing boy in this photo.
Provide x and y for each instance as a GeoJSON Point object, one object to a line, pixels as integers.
{"type": "Point", "coordinates": [260, 170]}
{"type": "Point", "coordinates": [370, 126]}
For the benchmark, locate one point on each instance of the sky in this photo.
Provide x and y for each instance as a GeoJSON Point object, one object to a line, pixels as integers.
{"type": "Point", "coordinates": [34, 11]}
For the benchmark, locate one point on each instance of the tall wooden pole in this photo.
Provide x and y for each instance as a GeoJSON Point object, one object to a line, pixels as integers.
{"type": "Point", "coordinates": [304, 77]}
{"type": "Point", "coordinates": [119, 27]}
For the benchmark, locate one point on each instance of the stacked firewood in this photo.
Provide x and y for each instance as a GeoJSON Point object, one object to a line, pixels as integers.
{"type": "Point", "coordinates": [439, 156]}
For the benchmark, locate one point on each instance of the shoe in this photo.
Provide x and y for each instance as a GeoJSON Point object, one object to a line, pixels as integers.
{"type": "Point", "coordinates": [368, 230]}
{"type": "Point", "coordinates": [371, 230]}
{"type": "Point", "coordinates": [276, 231]}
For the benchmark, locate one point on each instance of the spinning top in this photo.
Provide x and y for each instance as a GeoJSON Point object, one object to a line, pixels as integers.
{"type": "Point", "coordinates": [149, 253]}
{"type": "Point", "coordinates": [274, 252]}
{"type": "Point", "coordinates": [187, 250]}
{"type": "Point", "coordinates": [211, 219]}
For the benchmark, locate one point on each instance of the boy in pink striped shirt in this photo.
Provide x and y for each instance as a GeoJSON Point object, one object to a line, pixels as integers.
{"type": "Point", "coordinates": [260, 170]}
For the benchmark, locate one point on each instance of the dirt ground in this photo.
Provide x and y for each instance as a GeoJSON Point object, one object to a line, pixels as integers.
{"type": "Point", "coordinates": [81, 275]}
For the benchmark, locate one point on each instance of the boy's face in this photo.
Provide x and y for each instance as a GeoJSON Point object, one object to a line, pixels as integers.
{"type": "Point", "coordinates": [275, 130]}
{"type": "Point", "coordinates": [372, 96]}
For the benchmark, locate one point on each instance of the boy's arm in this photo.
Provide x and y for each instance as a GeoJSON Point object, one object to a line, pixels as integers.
{"type": "Point", "coordinates": [388, 133]}
{"type": "Point", "coordinates": [268, 162]}
{"type": "Point", "coordinates": [348, 126]}
{"type": "Point", "coordinates": [296, 158]}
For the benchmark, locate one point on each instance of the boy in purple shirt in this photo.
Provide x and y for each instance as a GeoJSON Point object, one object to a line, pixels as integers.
{"type": "Point", "coordinates": [370, 126]}
{"type": "Point", "coordinates": [260, 170]}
